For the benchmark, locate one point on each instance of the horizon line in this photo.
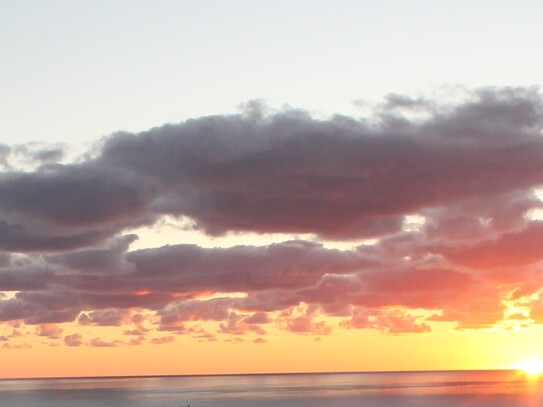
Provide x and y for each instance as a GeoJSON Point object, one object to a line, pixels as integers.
{"type": "Point", "coordinates": [105, 377]}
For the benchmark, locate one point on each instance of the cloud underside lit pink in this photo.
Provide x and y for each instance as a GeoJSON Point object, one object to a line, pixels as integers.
{"type": "Point", "coordinates": [469, 171]}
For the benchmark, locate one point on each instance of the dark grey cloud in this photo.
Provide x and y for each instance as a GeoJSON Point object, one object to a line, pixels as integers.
{"type": "Point", "coordinates": [5, 260]}
{"type": "Point", "coordinates": [288, 265]}
{"type": "Point", "coordinates": [341, 178]}
{"type": "Point", "coordinates": [100, 261]}
{"type": "Point", "coordinates": [57, 306]}
{"type": "Point", "coordinates": [284, 171]}
{"type": "Point", "coordinates": [26, 279]}
{"type": "Point", "coordinates": [469, 170]}
{"type": "Point", "coordinates": [5, 151]}
{"type": "Point", "coordinates": [169, 279]}
{"type": "Point", "coordinates": [66, 207]}
{"type": "Point", "coordinates": [211, 310]}
{"type": "Point", "coordinates": [105, 317]}
{"type": "Point", "coordinates": [20, 237]}
{"type": "Point", "coordinates": [49, 155]}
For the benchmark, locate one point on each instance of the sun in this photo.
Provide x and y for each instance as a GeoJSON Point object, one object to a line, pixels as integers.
{"type": "Point", "coordinates": [531, 366]}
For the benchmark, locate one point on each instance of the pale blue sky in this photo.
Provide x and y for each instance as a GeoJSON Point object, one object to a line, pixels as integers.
{"type": "Point", "coordinates": [73, 71]}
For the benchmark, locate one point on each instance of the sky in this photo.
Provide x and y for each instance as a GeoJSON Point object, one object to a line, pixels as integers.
{"type": "Point", "coordinates": [238, 187]}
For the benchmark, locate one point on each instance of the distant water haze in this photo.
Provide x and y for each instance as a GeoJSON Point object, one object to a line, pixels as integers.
{"type": "Point", "coordinates": [446, 388]}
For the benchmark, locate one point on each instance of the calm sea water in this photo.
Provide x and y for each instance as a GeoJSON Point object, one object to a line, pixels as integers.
{"type": "Point", "coordinates": [455, 388]}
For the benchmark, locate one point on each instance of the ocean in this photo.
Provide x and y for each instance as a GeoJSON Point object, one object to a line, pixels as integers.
{"type": "Point", "coordinates": [447, 388]}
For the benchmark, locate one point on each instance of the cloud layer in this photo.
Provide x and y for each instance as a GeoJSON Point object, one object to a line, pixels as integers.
{"type": "Point", "coordinates": [447, 193]}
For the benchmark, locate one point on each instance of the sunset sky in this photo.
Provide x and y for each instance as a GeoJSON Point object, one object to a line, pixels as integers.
{"type": "Point", "coordinates": [200, 187]}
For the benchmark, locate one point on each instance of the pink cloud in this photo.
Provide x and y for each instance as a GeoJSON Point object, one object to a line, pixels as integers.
{"type": "Point", "coordinates": [392, 321]}
{"type": "Point", "coordinates": [163, 340]}
{"type": "Point", "coordinates": [201, 334]}
{"type": "Point", "coordinates": [510, 250]}
{"type": "Point", "coordinates": [73, 340]}
{"type": "Point", "coordinates": [51, 331]}
{"type": "Point", "coordinates": [99, 343]}
{"type": "Point", "coordinates": [257, 318]}
{"type": "Point", "coordinates": [16, 346]}
{"type": "Point", "coordinates": [136, 341]}
{"type": "Point", "coordinates": [238, 325]}
{"type": "Point", "coordinates": [470, 319]}
{"type": "Point", "coordinates": [302, 321]}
